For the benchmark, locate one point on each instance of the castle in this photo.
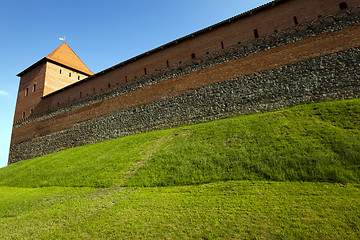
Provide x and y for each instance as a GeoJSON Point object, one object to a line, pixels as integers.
{"type": "Point", "coordinates": [283, 53]}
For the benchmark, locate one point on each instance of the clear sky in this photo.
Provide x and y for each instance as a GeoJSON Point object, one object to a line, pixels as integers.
{"type": "Point", "coordinates": [102, 33]}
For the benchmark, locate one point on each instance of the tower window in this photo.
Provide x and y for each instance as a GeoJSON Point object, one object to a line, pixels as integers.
{"type": "Point", "coordinates": [145, 71]}
{"type": "Point", "coordinates": [222, 45]}
{"type": "Point", "coordinates": [26, 92]}
{"type": "Point", "coordinates": [109, 85]}
{"type": "Point", "coordinates": [78, 77]}
{"type": "Point", "coordinates": [23, 115]}
{"type": "Point", "coordinates": [69, 74]}
{"type": "Point", "coordinates": [295, 20]}
{"type": "Point", "coordinates": [80, 94]}
{"type": "Point", "coordinates": [193, 55]}
{"type": "Point", "coordinates": [125, 78]}
{"type": "Point", "coordinates": [31, 111]}
{"type": "Point", "coordinates": [256, 33]}
{"type": "Point", "coordinates": [34, 87]}
{"type": "Point", "coordinates": [60, 71]}
{"type": "Point", "coordinates": [343, 6]}
{"type": "Point", "coordinates": [167, 63]}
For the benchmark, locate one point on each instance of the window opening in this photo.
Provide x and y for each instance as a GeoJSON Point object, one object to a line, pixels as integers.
{"type": "Point", "coordinates": [295, 20]}
{"type": "Point", "coordinates": [222, 45]}
{"type": "Point", "coordinates": [145, 71]}
{"type": "Point", "coordinates": [31, 111]}
{"type": "Point", "coordinates": [109, 85]}
{"type": "Point", "coordinates": [193, 55]}
{"type": "Point", "coordinates": [60, 71]}
{"type": "Point", "coordinates": [26, 91]}
{"type": "Point", "coordinates": [80, 94]}
{"type": "Point", "coordinates": [343, 6]}
{"type": "Point", "coordinates": [23, 115]}
{"type": "Point", "coordinates": [256, 33]}
{"type": "Point", "coordinates": [34, 87]}
{"type": "Point", "coordinates": [167, 63]}
{"type": "Point", "coordinates": [69, 74]}
{"type": "Point", "coordinates": [78, 77]}
{"type": "Point", "coordinates": [125, 78]}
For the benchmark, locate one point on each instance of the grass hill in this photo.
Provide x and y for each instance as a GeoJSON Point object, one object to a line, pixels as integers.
{"type": "Point", "coordinates": [288, 174]}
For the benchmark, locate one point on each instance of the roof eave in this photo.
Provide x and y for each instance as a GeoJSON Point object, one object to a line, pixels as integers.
{"type": "Point", "coordinates": [45, 59]}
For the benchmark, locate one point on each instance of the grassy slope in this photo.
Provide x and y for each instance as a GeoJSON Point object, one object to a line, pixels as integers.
{"type": "Point", "coordinates": [316, 143]}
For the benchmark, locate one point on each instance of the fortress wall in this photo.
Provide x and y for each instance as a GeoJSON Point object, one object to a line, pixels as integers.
{"type": "Point", "coordinates": [334, 76]}
{"type": "Point", "coordinates": [278, 17]}
{"type": "Point", "coordinates": [272, 76]}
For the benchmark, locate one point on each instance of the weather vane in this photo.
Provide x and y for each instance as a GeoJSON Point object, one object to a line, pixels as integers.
{"type": "Point", "coordinates": [63, 39]}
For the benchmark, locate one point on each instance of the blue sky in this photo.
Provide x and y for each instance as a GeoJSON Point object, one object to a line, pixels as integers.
{"type": "Point", "coordinates": [102, 33]}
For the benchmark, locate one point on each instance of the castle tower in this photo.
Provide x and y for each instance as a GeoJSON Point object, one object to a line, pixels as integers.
{"type": "Point", "coordinates": [59, 69]}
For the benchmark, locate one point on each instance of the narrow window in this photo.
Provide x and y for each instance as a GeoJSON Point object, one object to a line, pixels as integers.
{"type": "Point", "coordinates": [179, 61]}
{"type": "Point", "coordinates": [31, 111]}
{"type": "Point", "coordinates": [23, 115]}
{"type": "Point", "coordinates": [60, 71]}
{"type": "Point", "coordinates": [80, 94]}
{"type": "Point", "coordinates": [319, 16]}
{"type": "Point", "coordinates": [207, 53]}
{"type": "Point", "coordinates": [222, 45]}
{"type": "Point", "coordinates": [343, 6]}
{"type": "Point", "coordinates": [125, 78]}
{"type": "Point", "coordinates": [109, 85]}
{"type": "Point", "coordinates": [58, 104]}
{"type": "Point", "coordinates": [26, 92]}
{"type": "Point", "coordinates": [34, 88]}
{"type": "Point", "coordinates": [256, 33]}
{"type": "Point", "coordinates": [295, 20]}
{"type": "Point", "coordinates": [167, 63]}
{"type": "Point", "coordinates": [193, 55]}
{"type": "Point", "coordinates": [69, 74]}
{"type": "Point", "coordinates": [145, 71]}
{"type": "Point", "coordinates": [78, 77]}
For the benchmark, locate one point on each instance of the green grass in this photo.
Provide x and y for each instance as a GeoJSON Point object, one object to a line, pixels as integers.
{"type": "Point", "coordinates": [291, 174]}
{"type": "Point", "coordinates": [223, 210]}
